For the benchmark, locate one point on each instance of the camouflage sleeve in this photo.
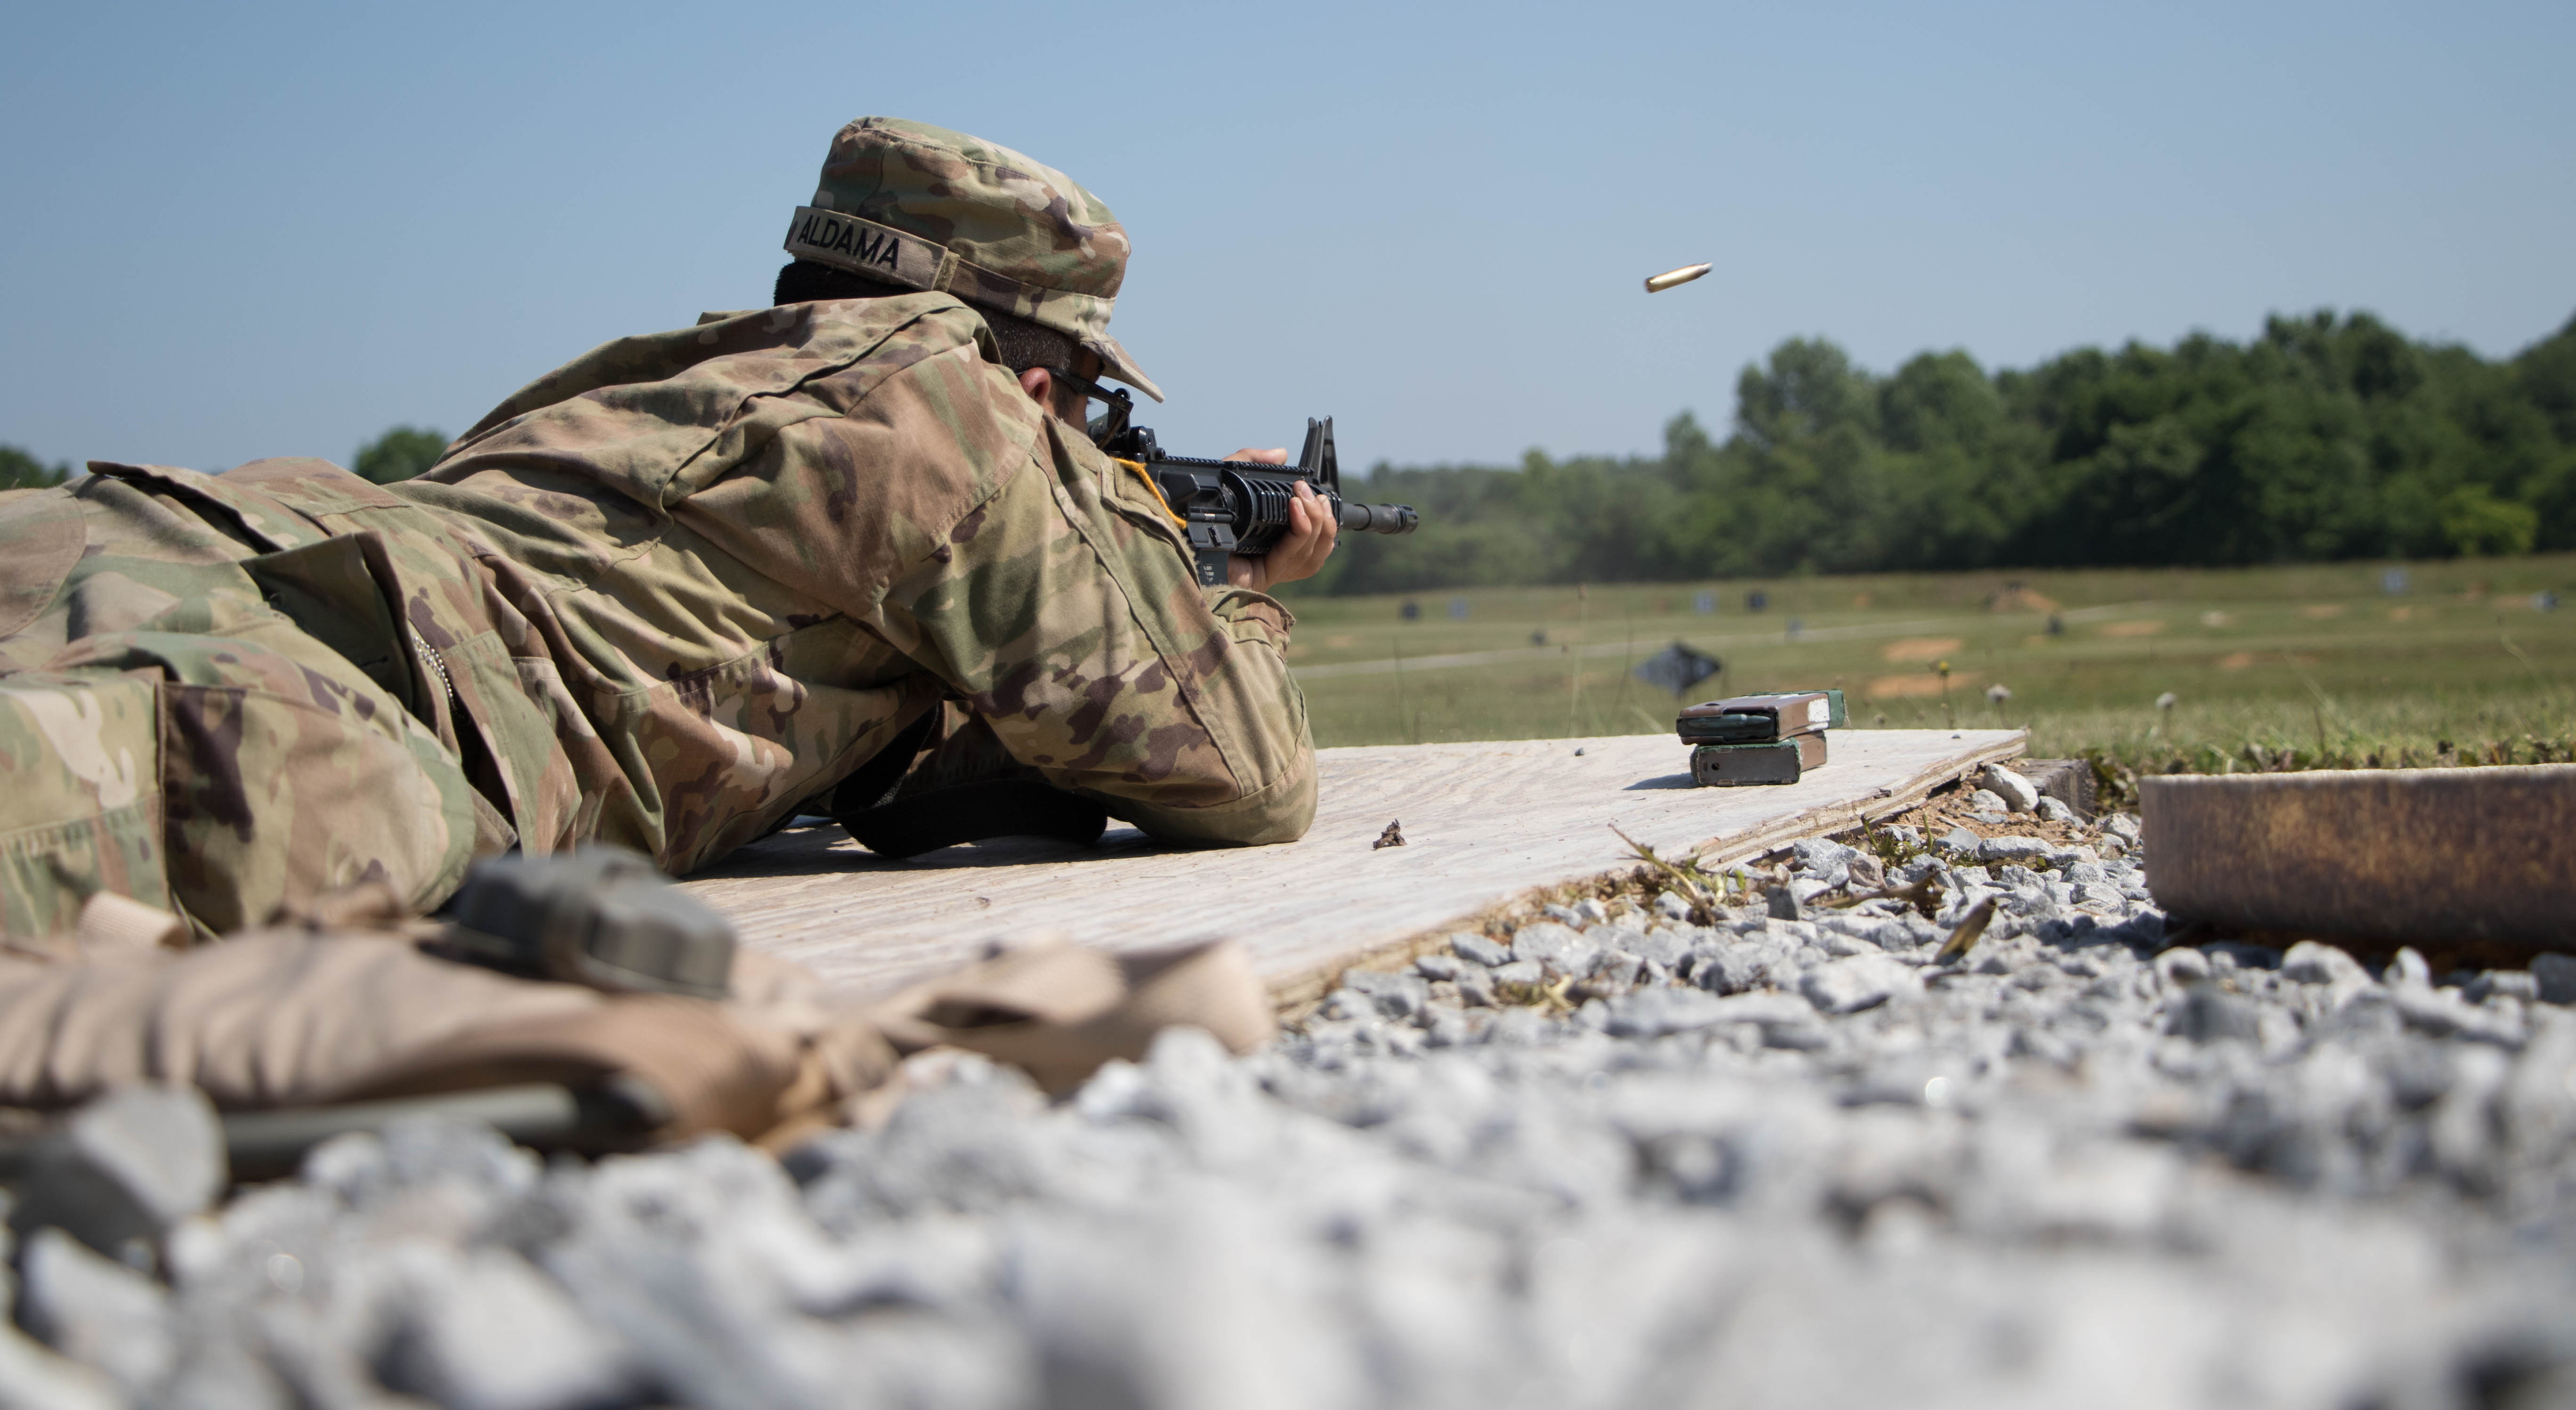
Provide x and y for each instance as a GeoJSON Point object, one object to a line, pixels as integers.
{"type": "Point", "coordinates": [1063, 609]}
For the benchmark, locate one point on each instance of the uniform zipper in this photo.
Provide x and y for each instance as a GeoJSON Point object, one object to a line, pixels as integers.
{"type": "Point", "coordinates": [439, 668]}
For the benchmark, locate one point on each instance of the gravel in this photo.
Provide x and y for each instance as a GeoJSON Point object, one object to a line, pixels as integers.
{"type": "Point", "coordinates": [1612, 1159]}
{"type": "Point", "coordinates": [2019, 794]}
{"type": "Point", "coordinates": [123, 1170]}
{"type": "Point", "coordinates": [2555, 976]}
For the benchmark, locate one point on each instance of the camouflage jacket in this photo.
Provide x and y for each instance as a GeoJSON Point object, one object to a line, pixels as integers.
{"type": "Point", "coordinates": [724, 566]}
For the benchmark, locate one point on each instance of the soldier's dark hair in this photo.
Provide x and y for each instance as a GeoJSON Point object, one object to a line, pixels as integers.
{"type": "Point", "coordinates": [1024, 344]}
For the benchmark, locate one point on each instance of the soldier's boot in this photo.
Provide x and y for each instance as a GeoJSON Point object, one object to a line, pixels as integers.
{"type": "Point", "coordinates": [960, 785]}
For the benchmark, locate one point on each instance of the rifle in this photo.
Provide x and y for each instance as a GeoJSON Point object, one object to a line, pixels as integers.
{"type": "Point", "coordinates": [1239, 506]}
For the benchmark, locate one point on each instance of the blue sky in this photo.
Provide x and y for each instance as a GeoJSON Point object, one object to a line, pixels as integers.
{"type": "Point", "coordinates": [276, 230]}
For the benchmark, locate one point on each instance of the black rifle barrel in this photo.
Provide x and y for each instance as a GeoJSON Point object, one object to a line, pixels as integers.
{"type": "Point", "coordinates": [1376, 518]}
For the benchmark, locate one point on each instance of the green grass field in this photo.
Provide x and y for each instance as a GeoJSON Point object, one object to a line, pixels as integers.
{"type": "Point", "coordinates": [2269, 667]}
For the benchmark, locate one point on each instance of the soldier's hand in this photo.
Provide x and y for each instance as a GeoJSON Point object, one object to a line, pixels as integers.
{"type": "Point", "coordinates": [1301, 553]}
{"type": "Point", "coordinates": [1246, 572]}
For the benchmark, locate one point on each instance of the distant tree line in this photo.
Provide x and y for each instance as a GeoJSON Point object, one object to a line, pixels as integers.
{"type": "Point", "coordinates": [2326, 437]}
{"type": "Point", "coordinates": [21, 471]}
{"type": "Point", "coordinates": [398, 454]}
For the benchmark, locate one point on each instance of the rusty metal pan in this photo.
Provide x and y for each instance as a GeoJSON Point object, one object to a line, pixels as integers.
{"type": "Point", "coordinates": [2465, 854]}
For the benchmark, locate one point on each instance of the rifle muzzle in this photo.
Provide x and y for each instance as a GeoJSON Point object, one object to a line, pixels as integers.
{"type": "Point", "coordinates": [1376, 518]}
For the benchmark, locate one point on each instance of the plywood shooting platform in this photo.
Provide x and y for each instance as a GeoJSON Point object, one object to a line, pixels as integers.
{"type": "Point", "coordinates": [1485, 824]}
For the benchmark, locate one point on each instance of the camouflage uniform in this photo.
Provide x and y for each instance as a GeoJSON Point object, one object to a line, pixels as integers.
{"type": "Point", "coordinates": [659, 597]}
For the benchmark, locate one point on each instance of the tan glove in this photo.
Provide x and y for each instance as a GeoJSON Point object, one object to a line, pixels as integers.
{"type": "Point", "coordinates": [1060, 1011]}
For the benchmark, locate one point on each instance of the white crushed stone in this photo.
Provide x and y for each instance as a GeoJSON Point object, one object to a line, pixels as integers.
{"type": "Point", "coordinates": [1764, 1162]}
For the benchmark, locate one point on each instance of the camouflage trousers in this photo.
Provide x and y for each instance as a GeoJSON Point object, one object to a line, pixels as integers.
{"type": "Point", "coordinates": [170, 732]}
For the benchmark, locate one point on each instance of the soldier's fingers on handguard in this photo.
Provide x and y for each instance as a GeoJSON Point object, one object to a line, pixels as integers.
{"type": "Point", "coordinates": [1314, 516]}
{"type": "Point", "coordinates": [1276, 455]}
{"type": "Point", "coordinates": [1309, 541]}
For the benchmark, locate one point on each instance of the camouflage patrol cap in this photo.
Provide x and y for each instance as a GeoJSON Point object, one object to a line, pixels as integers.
{"type": "Point", "coordinates": [925, 207]}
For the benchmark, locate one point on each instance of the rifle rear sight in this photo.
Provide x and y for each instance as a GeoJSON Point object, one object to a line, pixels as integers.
{"type": "Point", "coordinates": [1241, 506]}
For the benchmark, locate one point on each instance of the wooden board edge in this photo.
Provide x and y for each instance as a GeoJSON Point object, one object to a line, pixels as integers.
{"type": "Point", "coordinates": [1294, 995]}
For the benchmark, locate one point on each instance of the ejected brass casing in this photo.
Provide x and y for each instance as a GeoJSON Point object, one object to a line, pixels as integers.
{"type": "Point", "coordinates": [1671, 277]}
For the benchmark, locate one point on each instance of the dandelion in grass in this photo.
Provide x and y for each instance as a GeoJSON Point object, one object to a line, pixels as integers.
{"type": "Point", "coordinates": [1996, 695]}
